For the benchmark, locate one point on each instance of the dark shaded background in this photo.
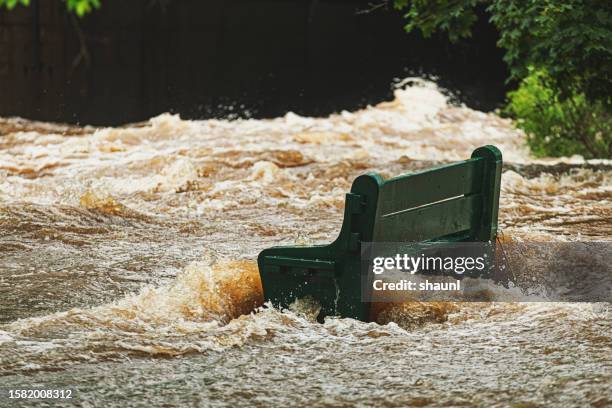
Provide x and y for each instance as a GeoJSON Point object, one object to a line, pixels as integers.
{"type": "Point", "coordinates": [219, 58]}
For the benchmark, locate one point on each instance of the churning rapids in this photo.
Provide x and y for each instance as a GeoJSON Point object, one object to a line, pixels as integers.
{"type": "Point", "coordinates": [127, 267]}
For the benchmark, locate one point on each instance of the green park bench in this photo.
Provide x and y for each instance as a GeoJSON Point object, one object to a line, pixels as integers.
{"type": "Point", "coordinates": [457, 202]}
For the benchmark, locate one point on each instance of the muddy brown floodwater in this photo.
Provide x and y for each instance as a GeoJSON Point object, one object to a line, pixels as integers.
{"type": "Point", "coordinates": [127, 267]}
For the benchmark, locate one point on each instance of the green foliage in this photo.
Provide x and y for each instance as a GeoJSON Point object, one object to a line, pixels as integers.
{"type": "Point", "coordinates": [559, 126]}
{"type": "Point", "coordinates": [454, 17]}
{"type": "Point", "coordinates": [79, 7]}
{"type": "Point", "coordinates": [570, 40]}
{"type": "Point", "coordinates": [11, 4]}
{"type": "Point", "coordinates": [82, 7]}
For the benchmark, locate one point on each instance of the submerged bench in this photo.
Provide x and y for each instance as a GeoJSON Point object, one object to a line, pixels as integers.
{"type": "Point", "coordinates": [451, 203]}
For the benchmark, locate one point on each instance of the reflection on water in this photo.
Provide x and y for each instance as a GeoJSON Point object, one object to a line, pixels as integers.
{"type": "Point", "coordinates": [127, 265]}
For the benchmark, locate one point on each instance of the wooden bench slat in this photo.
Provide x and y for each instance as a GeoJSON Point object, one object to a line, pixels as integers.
{"type": "Point", "coordinates": [430, 221]}
{"type": "Point", "coordinates": [302, 266]}
{"type": "Point", "coordinates": [413, 190]}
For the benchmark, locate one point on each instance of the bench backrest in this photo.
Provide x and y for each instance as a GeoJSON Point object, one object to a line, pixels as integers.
{"type": "Point", "coordinates": [458, 200]}
{"type": "Point", "coordinates": [455, 202]}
